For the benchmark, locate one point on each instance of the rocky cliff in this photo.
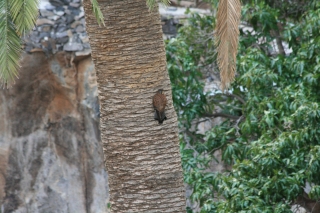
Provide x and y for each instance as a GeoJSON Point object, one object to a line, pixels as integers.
{"type": "Point", "coordinates": [50, 152]}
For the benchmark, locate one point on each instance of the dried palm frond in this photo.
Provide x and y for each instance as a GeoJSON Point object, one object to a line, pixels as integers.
{"type": "Point", "coordinates": [226, 39]}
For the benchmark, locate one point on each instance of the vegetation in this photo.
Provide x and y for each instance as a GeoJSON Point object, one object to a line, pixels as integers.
{"type": "Point", "coordinates": [270, 133]}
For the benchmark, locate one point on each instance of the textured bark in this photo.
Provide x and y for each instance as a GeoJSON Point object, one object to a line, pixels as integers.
{"type": "Point", "coordinates": [142, 157]}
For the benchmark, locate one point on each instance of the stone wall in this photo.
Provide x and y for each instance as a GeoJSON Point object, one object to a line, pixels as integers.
{"type": "Point", "coordinates": [61, 27]}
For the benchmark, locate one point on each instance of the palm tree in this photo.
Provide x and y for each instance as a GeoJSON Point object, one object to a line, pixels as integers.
{"type": "Point", "coordinates": [142, 157]}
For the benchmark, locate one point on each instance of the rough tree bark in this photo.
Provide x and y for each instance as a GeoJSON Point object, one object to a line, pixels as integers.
{"type": "Point", "coordinates": [141, 156]}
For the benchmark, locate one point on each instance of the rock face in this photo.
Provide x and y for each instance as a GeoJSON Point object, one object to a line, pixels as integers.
{"type": "Point", "coordinates": [50, 153]}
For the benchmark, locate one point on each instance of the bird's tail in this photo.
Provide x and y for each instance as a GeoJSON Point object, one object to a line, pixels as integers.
{"type": "Point", "coordinates": [160, 116]}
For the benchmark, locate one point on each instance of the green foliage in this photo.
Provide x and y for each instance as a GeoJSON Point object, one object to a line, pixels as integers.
{"type": "Point", "coordinates": [16, 19]}
{"type": "Point", "coordinates": [24, 14]}
{"type": "Point", "coordinates": [184, 55]}
{"type": "Point", "coordinates": [270, 136]}
{"type": "Point", "coordinates": [10, 44]}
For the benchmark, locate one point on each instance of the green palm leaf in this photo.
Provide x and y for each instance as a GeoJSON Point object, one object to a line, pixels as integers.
{"type": "Point", "coordinates": [10, 45]}
{"type": "Point", "coordinates": [97, 12]}
{"type": "Point", "coordinates": [24, 14]}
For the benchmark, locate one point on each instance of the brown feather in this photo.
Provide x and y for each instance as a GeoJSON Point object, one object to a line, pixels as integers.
{"type": "Point", "coordinates": [159, 104]}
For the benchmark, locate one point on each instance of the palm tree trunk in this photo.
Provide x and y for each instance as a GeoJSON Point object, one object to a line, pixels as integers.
{"type": "Point", "coordinates": [141, 156]}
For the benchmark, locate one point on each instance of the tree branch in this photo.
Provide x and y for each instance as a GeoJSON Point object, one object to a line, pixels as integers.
{"type": "Point", "coordinates": [236, 96]}
{"type": "Point", "coordinates": [236, 126]}
{"type": "Point", "coordinates": [194, 137]}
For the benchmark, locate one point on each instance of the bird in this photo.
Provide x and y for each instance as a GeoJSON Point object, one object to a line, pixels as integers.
{"type": "Point", "coordinates": [159, 105]}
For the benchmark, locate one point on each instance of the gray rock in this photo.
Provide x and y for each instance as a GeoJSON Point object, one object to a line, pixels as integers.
{"type": "Point", "coordinates": [54, 18]}
{"type": "Point", "coordinates": [28, 47]}
{"type": "Point", "coordinates": [83, 21]}
{"type": "Point", "coordinates": [72, 4]}
{"type": "Point", "coordinates": [42, 21]}
{"type": "Point", "coordinates": [68, 12]}
{"type": "Point", "coordinates": [61, 27]}
{"type": "Point", "coordinates": [62, 20]}
{"type": "Point", "coordinates": [34, 37]}
{"type": "Point", "coordinates": [50, 7]}
{"type": "Point", "coordinates": [46, 28]}
{"type": "Point", "coordinates": [80, 29]}
{"type": "Point", "coordinates": [75, 24]}
{"type": "Point", "coordinates": [86, 45]}
{"type": "Point", "coordinates": [84, 38]}
{"type": "Point", "coordinates": [57, 2]}
{"type": "Point", "coordinates": [62, 40]}
{"type": "Point", "coordinates": [59, 12]}
{"type": "Point", "coordinates": [46, 13]}
{"type": "Point", "coordinates": [85, 52]}
{"type": "Point", "coordinates": [80, 16]}
{"type": "Point", "coordinates": [73, 46]}
{"type": "Point", "coordinates": [62, 34]}
{"type": "Point", "coordinates": [44, 34]}
{"type": "Point", "coordinates": [169, 27]}
{"type": "Point", "coordinates": [75, 12]}
{"type": "Point", "coordinates": [70, 19]}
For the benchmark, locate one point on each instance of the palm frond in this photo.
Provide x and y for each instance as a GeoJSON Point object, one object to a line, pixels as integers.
{"type": "Point", "coordinates": [152, 3]}
{"type": "Point", "coordinates": [227, 37]}
{"type": "Point", "coordinates": [24, 14]}
{"type": "Point", "coordinates": [97, 12]}
{"type": "Point", "coordinates": [10, 45]}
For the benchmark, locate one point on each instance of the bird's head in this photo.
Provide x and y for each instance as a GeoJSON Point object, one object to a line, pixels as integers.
{"type": "Point", "coordinates": [160, 91]}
